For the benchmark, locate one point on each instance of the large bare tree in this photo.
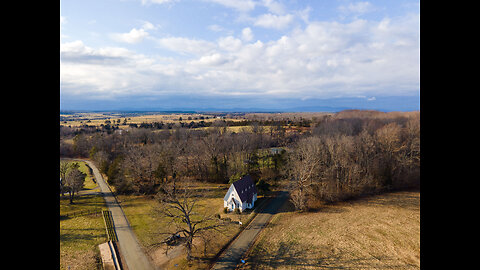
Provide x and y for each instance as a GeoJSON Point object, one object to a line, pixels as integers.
{"type": "Point", "coordinates": [304, 163]}
{"type": "Point", "coordinates": [178, 202]}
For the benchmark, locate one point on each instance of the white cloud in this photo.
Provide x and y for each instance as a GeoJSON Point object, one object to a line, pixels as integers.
{"type": "Point", "coordinates": [304, 14]}
{"type": "Point", "coordinates": [274, 6]}
{"type": "Point", "coordinates": [185, 45]}
{"type": "Point", "coordinates": [357, 8]}
{"type": "Point", "coordinates": [145, 2]}
{"type": "Point", "coordinates": [229, 43]}
{"type": "Point", "coordinates": [110, 72]}
{"type": "Point", "coordinates": [134, 36]}
{"type": "Point", "coordinates": [215, 28]}
{"type": "Point", "coordinates": [148, 26]}
{"type": "Point", "coordinates": [244, 5]}
{"type": "Point", "coordinates": [63, 21]}
{"type": "Point", "coordinates": [321, 60]}
{"type": "Point", "coordinates": [247, 34]}
{"type": "Point", "coordinates": [215, 59]}
{"type": "Point", "coordinates": [273, 21]}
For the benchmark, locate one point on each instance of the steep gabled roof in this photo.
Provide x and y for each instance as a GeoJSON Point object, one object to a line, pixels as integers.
{"type": "Point", "coordinates": [245, 188]}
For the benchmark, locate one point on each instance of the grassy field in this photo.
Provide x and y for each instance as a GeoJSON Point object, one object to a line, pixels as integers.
{"type": "Point", "coordinates": [97, 119]}
{"type": "Point", "coordinates": [147, 224]}
{"type": "Point", "coordinates": [80, 235]}
{"type": "Point", "coordinates": [381, 232]}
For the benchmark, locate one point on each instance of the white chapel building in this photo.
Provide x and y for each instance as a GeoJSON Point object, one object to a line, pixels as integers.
{"type": "Point", "coordinates": [242, 194]}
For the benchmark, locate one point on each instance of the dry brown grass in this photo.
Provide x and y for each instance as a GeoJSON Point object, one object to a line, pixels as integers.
{"type": "Point", "coordinates": [380, 232]}
{"type": "Point", "coordinates": [147, 223]}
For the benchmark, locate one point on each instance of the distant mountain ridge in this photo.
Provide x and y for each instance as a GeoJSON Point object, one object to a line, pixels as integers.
{"type": "Point", "coordinates": [185, 104]}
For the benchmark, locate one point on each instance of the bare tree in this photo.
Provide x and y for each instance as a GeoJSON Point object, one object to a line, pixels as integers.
{"type": "Point", "coordinates": [148, 165]}
{"type": "Point", "coordinates": [178, 202]}
{"type": "Point", "coordinates": [304, 163]}
{"type": "Point", "coordinates": [217, 146]}
{"type": "Point", "coordinates": [389, 143]}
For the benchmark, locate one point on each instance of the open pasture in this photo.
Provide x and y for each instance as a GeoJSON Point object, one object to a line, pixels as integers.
{"type": "Point", "coordinates": [380, 232]}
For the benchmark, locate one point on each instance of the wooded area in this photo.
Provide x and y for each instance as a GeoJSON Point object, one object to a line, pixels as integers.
{"type": "Point", "coordinates": [327, 157]}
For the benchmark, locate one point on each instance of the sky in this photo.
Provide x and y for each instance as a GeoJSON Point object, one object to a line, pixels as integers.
{"type": "Point", "coordinates": [270, 55]}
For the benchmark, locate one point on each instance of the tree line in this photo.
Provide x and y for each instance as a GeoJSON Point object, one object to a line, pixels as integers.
{"type": "Point", "coordinates": [340, 156]}
{"type": "Point", "coordinates": [352, 157]}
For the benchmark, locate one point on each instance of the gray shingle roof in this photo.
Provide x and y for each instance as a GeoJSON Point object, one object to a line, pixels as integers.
{"type": "Point", "coordinates": [245, 188]}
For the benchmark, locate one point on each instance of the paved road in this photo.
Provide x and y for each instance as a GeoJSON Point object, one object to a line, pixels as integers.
{"type": "Point", "coordinates": [231, 257]}
{"type": "Point", "coordinates": [128, 244]}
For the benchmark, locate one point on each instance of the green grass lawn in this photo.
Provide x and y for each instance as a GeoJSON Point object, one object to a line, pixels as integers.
{"type": "Point", "coordinates": [89, 184]}
{"type": "Point", "coordinates": [81, 235]}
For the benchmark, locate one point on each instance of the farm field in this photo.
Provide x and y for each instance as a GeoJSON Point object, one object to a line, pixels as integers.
{"type": "Point", "coordinates": [380, 232]}
{"type": "Point", "coordinates": [96, 119]}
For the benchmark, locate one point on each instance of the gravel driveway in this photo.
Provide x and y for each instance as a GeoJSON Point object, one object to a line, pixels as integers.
{"type": "Point", "coordinates": [129, 247]}
{"type": "Point", "coordinates": [233, 254]}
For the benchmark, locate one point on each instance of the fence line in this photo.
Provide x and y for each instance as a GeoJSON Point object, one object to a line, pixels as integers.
{"type": "Point", "coordinates": [79, 213]}
{"type": "Point", "coordinates": [107, 218]}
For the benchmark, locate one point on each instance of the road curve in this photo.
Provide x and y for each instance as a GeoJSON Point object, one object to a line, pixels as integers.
{"type": "Point", "coordinates": [233, 254]}
{"type": "Point", "coordinates": [130, 248]}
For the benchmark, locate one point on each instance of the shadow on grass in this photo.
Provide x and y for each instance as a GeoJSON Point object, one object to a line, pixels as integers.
{"type": "Point", "coordinates": [287, 256]}
{"type": "Point", "coordinates": [64, 217]}
{"type": "Point", "coordinates": [330, 209]}
{"type": "Point", "coordinates": [406, 200]}
{"type": "Point", "coordinates": [74, 235]}
{"type": "Point", "coordinates": [90, 200]}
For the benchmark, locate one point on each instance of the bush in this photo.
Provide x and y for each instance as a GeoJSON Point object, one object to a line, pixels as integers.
{"type": "Point", "coordinates": [225, 210]}
{"type": "Point", "coordinates": [263, 187]}
{"type": "Point", "coordinates": [235, 177]}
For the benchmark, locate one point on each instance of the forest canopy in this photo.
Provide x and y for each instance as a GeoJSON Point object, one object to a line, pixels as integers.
{"type": "Point", "coordinates": [326, 157]}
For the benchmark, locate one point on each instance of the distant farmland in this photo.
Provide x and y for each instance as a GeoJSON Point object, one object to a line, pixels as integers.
{"type": "Point", "coordinates": [124, 120]}
{"type": "Point", "coordinates": [97, 119]}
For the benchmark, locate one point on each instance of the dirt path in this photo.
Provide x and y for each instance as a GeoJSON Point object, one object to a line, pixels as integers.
{"type": "Point", "coordinates": [128, 244]}
{"type": "Point", "coordinates": [161, 259]}
{"type": "Point", "coordinates": [233, 254]}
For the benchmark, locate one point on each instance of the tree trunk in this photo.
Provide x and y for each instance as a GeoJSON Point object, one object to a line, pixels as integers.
{"type": "Point", "coordinates": [70, 193]}
{"type": "Point", "coordinates": [189, 248]}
